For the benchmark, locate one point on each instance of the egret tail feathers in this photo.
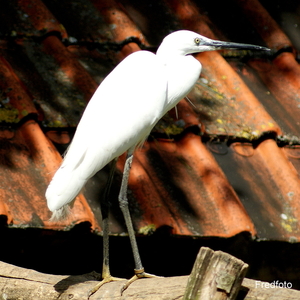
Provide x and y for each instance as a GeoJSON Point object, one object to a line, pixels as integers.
{"type": "Point", "coordinates": [61, 213]}
{"type": "Point", "coordinates": [63, 189]}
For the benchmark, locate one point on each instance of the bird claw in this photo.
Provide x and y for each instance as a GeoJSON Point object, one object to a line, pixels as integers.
{"type": "Point", "coordinates": [138, 274]}
{"type": "Point", "coordinates": [105, 280]}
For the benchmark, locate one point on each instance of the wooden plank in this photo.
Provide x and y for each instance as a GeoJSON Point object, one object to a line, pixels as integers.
{"type": "Point", "coordinates": [26, 284]}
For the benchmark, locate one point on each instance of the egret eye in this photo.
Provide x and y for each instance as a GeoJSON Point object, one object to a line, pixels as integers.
{"type": "Point", "coordinates": [197, 41]}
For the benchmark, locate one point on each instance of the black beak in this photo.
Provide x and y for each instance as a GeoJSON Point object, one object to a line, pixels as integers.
{"type": "Point", "coordinates": [228, 45]}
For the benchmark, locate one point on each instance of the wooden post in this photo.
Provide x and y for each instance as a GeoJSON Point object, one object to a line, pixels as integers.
{"type": "Point", "coordinates": [216, 275]}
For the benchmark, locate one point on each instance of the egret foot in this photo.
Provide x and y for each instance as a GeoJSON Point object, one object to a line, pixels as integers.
{"type": "Point", "coordinates": [106, 279]}
{"type": "Point", "coordinates": [138, 274]}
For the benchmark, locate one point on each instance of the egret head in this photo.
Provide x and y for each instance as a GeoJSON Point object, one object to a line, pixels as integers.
{"type": "Point", "coordinates": [185, 42]}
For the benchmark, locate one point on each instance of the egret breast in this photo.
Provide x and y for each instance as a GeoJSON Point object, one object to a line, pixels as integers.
{"type": "Point", "coordinates": [182, 75]}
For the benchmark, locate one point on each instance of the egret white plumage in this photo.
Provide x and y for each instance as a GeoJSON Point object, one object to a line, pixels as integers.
{"type": "Point", "coordinates": [121, 114]}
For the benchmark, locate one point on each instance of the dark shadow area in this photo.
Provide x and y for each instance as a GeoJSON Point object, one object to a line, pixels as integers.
{"type": "Point", "coordinates": [242, 293]}
{"type": "Point", "coordinates": [79, 251]}
{"type": "Point", "coordinates": [64, 284]}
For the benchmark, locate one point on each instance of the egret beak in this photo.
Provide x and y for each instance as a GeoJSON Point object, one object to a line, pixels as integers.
{"type": "Point", "coordinates": [217, 45]}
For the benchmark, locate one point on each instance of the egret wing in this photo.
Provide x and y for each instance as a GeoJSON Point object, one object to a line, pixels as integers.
{"type": "Point", "coordinates": [121, 113]}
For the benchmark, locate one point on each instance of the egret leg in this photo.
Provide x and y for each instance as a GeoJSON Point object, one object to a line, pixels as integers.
{"type": "Point", "coordinates": [123, 202]}
{"type": "Point", "coordinates": [104, 203]}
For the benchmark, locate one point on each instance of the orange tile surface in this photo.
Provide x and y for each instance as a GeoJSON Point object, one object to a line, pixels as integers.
{"type": "Point", "coordinates": [28, 161]}
{"type": "Point", "coordinates": [228, 164]}
{"type": "Point", "coordinates": [179, 185]}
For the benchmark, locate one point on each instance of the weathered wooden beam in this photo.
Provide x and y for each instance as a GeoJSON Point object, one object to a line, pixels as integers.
{"type": "Point", "coordinates": [25, 284]}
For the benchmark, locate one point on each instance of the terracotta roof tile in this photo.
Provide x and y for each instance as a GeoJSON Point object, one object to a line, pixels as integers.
{"type": "Point", "coordinates": [165, 182]}
{"type": "Point", "coordinates": [28, 18]}
{"type": "Point", "coordinates": [56, 82]}
{"type": "Point", "coordinates": [231, 108]}
{"type": "Point", "coordinates": [264, 24]}
{"type": "Point", "coordinates": [228, 165]}
{"type": "Point", "coordinates": [267, 185]}
{"type": "Point", "coordinates": [28, 161]}
{"type": "Point", "coordinates": [281, 77]}
{"type": "Point", "coordinates": [16, 103]}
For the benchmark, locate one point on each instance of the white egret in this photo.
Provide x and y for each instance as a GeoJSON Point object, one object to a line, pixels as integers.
{"type": "Point", "coordinates": [119, 117]}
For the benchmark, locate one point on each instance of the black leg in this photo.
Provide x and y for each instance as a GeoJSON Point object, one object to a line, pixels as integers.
{"type": "Point", "coordinates": [123, 201]}
{"type": "Point", "coordinates": [104, 203]}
